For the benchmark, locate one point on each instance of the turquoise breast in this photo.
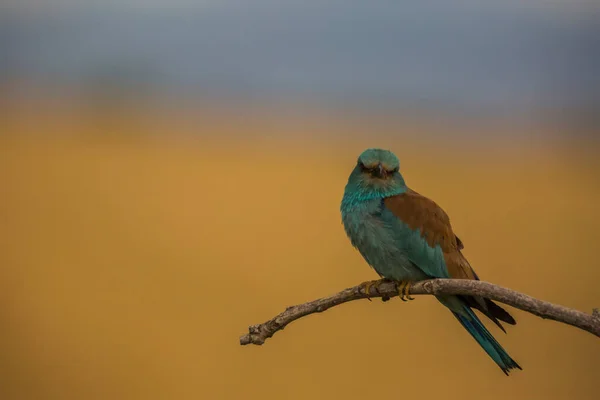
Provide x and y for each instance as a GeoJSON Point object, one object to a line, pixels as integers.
{"type": "Point", "coordinates": [379, 241]}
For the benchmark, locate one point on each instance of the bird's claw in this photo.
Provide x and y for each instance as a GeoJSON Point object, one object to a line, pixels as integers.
{"type": "Point", "coordinates": [403, 289]}
{"type": "Point", "coordinates": [407, 290]}
{"type": "Point", "coordinates": [368, 286]}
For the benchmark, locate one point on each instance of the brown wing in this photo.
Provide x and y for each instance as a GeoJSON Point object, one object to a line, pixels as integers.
{"type": "Point", "coordinates": [422, 213]}
{"type": "Point", "coordinates": [419, 212]}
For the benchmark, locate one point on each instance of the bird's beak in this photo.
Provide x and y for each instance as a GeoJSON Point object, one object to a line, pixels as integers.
{"type": "Point", "coordinates": [380, 171]}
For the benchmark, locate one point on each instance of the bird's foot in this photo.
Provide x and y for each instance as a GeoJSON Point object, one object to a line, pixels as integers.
{"type": "Point", "coordinates": [407, 291]}
{"type": "Point", "coordinates": [403, 290]}
{"type": "Point", "coordinates": [369, 284]}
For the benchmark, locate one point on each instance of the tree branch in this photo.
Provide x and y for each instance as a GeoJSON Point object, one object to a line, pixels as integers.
{"type": "Point", "coordinates": [589, 322]}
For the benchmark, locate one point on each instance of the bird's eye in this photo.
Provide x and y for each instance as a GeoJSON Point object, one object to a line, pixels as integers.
{"type": "Point", "coordinates": [395, 170]}
{"type": "Point", "coordinates": [362, 166]}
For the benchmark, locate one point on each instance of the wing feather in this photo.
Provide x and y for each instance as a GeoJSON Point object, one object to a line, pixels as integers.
{"type": "Point", "coordinates": [423, 214]}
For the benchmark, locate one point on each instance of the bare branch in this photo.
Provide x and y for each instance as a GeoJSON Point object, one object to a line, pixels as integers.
{"type": "Point", "coordinates": [589, 322]}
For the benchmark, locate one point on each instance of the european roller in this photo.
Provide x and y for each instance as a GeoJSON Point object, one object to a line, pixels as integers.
{"type": "Point", "coordinates": [406, 237]}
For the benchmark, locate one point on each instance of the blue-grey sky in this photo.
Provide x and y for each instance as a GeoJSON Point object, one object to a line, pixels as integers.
{"type": "Point", "coordinates": [462, 53]}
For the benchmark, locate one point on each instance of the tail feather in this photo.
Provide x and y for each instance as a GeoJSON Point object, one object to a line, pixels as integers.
{"type": "Point", "coordinates": [499, 312]}
{"type": "Point", "coordinates": [490, 309]}
{"type": "Point", "coordinates": [475, 327]}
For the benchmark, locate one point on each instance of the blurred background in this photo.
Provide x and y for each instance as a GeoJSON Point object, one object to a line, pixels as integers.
{"type": "Point", "coordinates": [171, 173]}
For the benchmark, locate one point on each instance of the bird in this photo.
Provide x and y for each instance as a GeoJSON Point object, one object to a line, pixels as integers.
{"type": "Point", "coordinates": [406, 237]}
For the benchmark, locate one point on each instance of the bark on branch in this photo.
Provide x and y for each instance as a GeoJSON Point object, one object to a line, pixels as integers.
{"type": "Point", "coordinates": [589, 322]}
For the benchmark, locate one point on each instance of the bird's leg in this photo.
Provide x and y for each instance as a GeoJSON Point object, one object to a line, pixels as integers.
{"type": "Point", "coordinates": [370, 284]}
{"type": "Point", "coordinates": [403, 287]}
{"type": "Point", "coordinates": [406, 290]}
{"type": "Point", "coordinates": [400, 287]}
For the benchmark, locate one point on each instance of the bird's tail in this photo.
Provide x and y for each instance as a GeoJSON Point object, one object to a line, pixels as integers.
{"type": "Point", "coordinates": [475, 327]}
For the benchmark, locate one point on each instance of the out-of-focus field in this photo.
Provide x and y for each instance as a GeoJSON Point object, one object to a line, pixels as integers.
{"type": "Point", "coordinates": [134, 253]}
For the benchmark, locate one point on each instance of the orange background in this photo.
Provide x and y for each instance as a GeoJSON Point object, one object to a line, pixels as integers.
{"type": "Point", "coordinates": [132, 260]}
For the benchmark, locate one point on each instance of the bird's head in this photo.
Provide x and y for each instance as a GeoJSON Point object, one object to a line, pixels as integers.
{"type": "Point", "coordinates": [377, 173]}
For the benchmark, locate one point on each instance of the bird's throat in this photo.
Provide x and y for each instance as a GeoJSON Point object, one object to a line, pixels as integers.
{"type": "Point", "coordinates": [356, 196]}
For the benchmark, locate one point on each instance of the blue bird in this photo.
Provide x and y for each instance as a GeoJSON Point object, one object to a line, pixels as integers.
{"type": "Point", "coordinates": [406, 237]}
